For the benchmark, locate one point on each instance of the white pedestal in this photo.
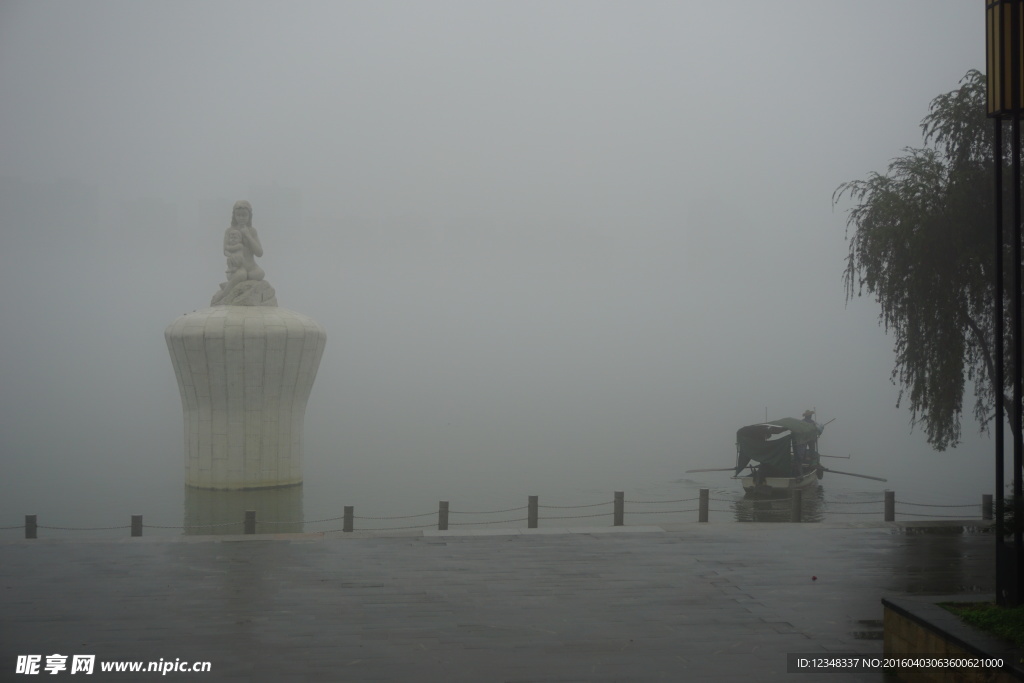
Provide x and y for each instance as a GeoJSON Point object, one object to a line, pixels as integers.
{"type": "Point", "coordinates": [245, 374]}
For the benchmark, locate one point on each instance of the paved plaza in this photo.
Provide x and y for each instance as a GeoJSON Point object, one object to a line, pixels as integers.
{"type": "Point", "coordinates": [696, 602]}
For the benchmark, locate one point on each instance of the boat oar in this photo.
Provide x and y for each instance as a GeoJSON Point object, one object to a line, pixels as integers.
{"type": "Point", "coordinates": [713, 469]}
{"type": "Point", "coordinates": [851, 474]}
{"type": "Point", "coordinates": [839, 457]}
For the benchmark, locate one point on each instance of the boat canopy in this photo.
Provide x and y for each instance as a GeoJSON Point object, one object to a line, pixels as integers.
{"type": "Point", "coordinates": [755, 442]}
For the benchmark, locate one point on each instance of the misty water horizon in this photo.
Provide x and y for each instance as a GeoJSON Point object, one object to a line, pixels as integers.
{"type": "Point", "coordinates": [650, 500]}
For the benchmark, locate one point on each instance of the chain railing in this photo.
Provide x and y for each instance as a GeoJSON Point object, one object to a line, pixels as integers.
{"type": "Point", "coordinates": [797, 505]}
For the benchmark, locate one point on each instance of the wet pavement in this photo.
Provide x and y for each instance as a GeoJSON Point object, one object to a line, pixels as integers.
{"type": "Point", "coordinates": [673, 602]}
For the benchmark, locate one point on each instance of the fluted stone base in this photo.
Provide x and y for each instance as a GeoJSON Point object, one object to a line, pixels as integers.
{"type": "Point", "coordinates": [245, 374]}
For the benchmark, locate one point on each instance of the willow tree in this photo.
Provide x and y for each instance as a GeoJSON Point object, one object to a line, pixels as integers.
{"type": "Point", "coordinates": [921, 241]}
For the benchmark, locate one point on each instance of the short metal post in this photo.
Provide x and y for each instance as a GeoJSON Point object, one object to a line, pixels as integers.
{"type": "Point", "coordinates": [346, 525]}
{"type": "Point", "coordinates": [796, 511]}
{"type": "Point", "coordinates": [890, 506]}
{"type": "Point", "coordinates": [619, 516]}
{"type": "Point", "coordinates": [250, 521]}
{"type": "Point", "coordinates": [442, 516]}
{"type": "Point", "coordinates": [136, 525]}
{"type": "Point", "coordinates": [30, 526]}
{"type": "Point", "coordinates": [702, 513]}
{"type": "Point", "coordinates": [531, 513]}
{"type": "Point", "coordinates": [986, 506]}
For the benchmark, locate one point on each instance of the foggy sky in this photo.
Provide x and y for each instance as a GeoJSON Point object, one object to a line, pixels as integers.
{"type": "Point", "coordinates": [548, 240]}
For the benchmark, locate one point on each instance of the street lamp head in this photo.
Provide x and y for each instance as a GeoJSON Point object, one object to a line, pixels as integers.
{"type": "Point", "coordinates": [1004, 28]}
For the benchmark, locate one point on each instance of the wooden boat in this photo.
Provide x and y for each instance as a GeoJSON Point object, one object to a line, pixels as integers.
{"type": "Point", "coordinates": [782, 456]}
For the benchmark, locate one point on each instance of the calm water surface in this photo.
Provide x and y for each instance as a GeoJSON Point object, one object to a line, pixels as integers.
{"type": "Point", "coordinates": [79, 500]}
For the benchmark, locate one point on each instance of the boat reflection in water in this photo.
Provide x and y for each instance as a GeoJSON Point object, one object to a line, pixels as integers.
{"type": "Point", "coordinates": [278, 510]}
{"type": "Point", "coordinates": [753, 509]}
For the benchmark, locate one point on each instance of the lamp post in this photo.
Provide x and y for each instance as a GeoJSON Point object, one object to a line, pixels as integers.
{"type": "Point", "coordinates": [1004, 35]}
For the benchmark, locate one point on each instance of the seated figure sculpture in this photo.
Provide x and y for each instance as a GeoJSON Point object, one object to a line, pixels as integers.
{"type": "Point", "coordinates": [245, 285]}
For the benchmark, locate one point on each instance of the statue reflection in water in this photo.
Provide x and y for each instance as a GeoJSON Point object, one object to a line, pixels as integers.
{"type": "Point", "coordinates": [279, 510]}
{"type": "Point", "coordinates": [812, 500]}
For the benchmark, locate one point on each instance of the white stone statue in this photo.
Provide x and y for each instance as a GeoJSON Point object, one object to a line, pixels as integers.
{"type": "Point", "coordinates": [245, 285]}
{"type": "Point", "coordinates": [245, 368]}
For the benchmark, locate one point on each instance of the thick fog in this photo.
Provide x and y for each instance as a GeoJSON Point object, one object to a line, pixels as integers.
{"type": "Point", "coordinates": [554, 245]}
